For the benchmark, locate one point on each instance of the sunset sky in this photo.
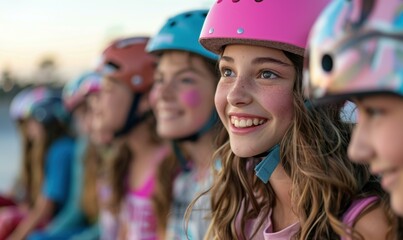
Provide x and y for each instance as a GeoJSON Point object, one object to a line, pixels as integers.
{"type": "Point", "coordinates": [74, 32]}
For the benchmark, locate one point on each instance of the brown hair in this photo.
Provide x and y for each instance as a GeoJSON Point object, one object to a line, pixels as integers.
{"type": "Point", "coordinates": [33, 158]}
{"type": "Point", "coordinates": [89, 196]}
{"type": "Point", "coordinates": [120, 164]}
{"type": "Point", "coordinates": [170, 168]}
{"type": "Point", "coordinates": [313, 154]}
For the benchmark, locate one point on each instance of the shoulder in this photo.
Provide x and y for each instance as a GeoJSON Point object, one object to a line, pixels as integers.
{"type": "Point", "coordinates": [373, 223]}
{"type": "Point", "coordinates": [62, 144]}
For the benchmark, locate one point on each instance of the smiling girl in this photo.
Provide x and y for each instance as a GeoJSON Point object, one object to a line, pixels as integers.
{"type": "Point", "coordinates": [285, 172]}
{"type": "Point", "coordinates": [182, 99]}
{"type": "Point", "coordinates": [364, 65]}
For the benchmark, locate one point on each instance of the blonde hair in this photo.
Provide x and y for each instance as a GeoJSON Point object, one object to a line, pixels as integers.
{"type": "Point", "coordinates": [313, 154]}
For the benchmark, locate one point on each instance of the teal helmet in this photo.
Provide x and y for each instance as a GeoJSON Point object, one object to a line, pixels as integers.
{"type": "Point", "coordinates": [181, 32]}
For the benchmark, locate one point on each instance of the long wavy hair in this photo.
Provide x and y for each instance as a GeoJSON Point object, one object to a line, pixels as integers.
{"type": "Point", "coordinates": [34, 156]}
{"type": "Point", "coordinates": [170, 168]}
{"type": "Point", "coordinates": [92, 169]}
{"type": "Point", "coordinates": [119, 165]}
{"type": "Point", "coordinates": [314, 156]}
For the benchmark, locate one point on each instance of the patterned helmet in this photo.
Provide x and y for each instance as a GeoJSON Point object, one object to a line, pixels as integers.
{"type": "Point", "coordinates": [280, 24]}
{"type": "Point", "coordinates": [75, 92]}
{"type": "Point", "coordinates": [41, 103]}
{"type": "Point", "coordinates": [126, 60]}
{"type": "Point", "coordinates": [356, 48]}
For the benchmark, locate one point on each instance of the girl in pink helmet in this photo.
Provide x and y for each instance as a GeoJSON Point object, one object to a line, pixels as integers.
{"type": "Point", "coordinates": [355, 53]}
{"type": "Point", "coordinates": [285, 172]}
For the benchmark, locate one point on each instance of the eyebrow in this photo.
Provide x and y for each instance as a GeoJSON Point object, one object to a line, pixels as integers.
{"type": "Point", "coordinates": [184, 70]}
{"type": "Point", "coordinates": [259, 60]}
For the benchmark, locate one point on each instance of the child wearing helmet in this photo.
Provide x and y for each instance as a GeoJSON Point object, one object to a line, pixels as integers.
{"type": "Point", "coordinates": [76, 219]}
{"type": "Point", "coordinates": [359, 57]}
{"type": "Point", "coordinates": [47, 157]}
{"type": "Point", "coordinates": [127, 71]}
{"type": "Point", "coordinates": [285, 173]}
{"type": "Point", "coordinates": [182, 100]}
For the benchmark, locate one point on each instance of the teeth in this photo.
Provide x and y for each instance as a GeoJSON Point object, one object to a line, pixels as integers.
{"type": "Point", "coordinates": [243, 122]}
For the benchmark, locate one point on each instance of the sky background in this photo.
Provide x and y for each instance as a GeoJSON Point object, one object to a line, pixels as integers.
{"type": "Point", "coordinates": [74, 32]}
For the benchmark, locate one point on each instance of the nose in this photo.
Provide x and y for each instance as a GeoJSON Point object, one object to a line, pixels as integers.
{"type": "Point", "coordinates": [167, 90]}
{"type": "Point", "coordinates": [359, 149]}
{"type": "Point", "coordinates": [239, 93]}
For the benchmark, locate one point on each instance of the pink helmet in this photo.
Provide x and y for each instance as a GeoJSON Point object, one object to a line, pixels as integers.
{"type": "Point", "coordinates": [355, 48]}
{"type": "Point", "coordinates": [281, 24]}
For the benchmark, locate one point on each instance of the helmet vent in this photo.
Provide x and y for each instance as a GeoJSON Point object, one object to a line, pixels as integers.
{"type": "Point", "coordinates": [258, 0]}
{"type": "Point", "coordinates": [327, 63]}
{"type": "Point", "coordinates": [187, 15]}
{"type": "Point", "coordinates": [235, 1]}
{"type": "Point", "coordinates": [172, 24]}
{"type": "Point", "coordinates": [113, 65]}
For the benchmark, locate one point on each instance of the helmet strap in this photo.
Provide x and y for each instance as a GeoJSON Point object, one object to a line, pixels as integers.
{"type": "Point", "coordinates": [133, 119]}
{"type": "Point", "coordinates": [266, 167]}
{"type": "Point", "coordinates": [203, 130]}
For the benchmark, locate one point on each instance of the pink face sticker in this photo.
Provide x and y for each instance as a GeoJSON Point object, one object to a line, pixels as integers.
{"type": "Point", "coordinates": [191, 98]}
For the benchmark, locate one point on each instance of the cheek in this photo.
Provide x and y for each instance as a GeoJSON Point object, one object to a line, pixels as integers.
{"type": "Point", "coordinates": [191, 98]}
{"type": "Point", "coordinates": [387, 140]}
{"type": "Point", "coordinates": [279, 104]}
{"type": "Point", "coordinates": [153, 97]}
{"type": "Point", "coordinates": [220, 101]}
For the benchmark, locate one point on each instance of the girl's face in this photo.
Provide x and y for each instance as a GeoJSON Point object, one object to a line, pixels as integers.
{"type": "Point", "coordinates": [97, 135]}
{"type": "Point", "coordinates": [114, 102]}
{"type": "Point", "coordinates": [254, 97]}
{"type": "Point", "coordinates": [182, 95]}
{"type": "Point", "coordinates": [35, 130]}
{"type": "Point", "coordinates": [378, 140]}
{"type": "Point", "coordinates": [82, 117]}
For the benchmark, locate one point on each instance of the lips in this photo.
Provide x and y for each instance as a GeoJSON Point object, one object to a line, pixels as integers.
{"type": "Point", "coordinates": [388, 177]}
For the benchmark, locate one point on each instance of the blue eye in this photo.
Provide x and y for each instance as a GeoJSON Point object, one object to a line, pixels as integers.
{"type": "Point", "coordinates": [227, 72]}
{"type": "Point", "coordinates": [267, 75]}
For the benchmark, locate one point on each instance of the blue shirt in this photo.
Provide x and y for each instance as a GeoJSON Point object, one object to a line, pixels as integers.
{"type": "Point", "coordinates": [58, 166]}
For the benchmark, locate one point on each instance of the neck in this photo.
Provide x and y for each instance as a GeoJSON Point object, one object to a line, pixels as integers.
{"type": "Point", "coordinates": [282, 214]}
{"type": "Point", "coordinates": [200, 162]}
{"type": "Point", "coordinates": [139, 141]}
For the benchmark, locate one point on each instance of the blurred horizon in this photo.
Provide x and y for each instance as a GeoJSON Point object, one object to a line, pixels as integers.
{"type": "Point", "coordinates": [47, 40]}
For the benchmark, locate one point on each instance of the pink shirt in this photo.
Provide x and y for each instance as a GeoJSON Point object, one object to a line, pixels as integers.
{"type": "Point", "coordinates": [267, 233]}
{"type": "Point", "coordinates": [138, 213]}
{"type": "Point", "coordinates": [285, 233]}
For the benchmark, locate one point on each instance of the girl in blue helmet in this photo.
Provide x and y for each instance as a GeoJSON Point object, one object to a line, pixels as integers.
{"type": "Point", "coordinates": [47, 158]}
{"type": "Point", "coordinates": [182, 100]}
{"type": "Point", "coordinates": [77, 219]}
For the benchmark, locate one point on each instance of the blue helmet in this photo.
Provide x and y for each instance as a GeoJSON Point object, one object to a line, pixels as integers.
{"type": "Point", "coordinates": [181, 32]}
{"type": "Point", "coordinates": [41, 103]}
